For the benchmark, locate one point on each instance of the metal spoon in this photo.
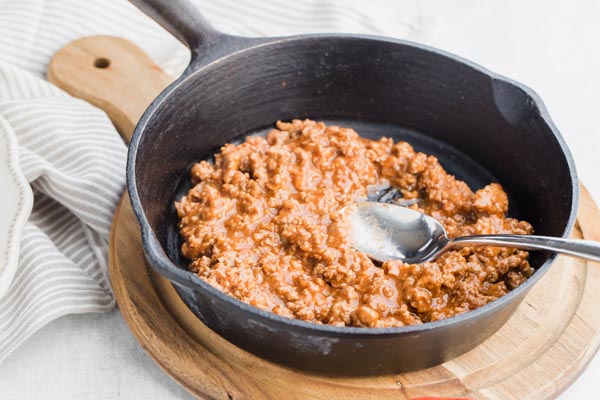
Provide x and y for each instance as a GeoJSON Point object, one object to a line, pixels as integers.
{"type": "Point", "coordinates": [390, 232]}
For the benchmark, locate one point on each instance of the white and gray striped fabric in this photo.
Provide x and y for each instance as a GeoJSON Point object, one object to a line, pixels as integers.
{"type": "Point", "coordinates": [72, 155]}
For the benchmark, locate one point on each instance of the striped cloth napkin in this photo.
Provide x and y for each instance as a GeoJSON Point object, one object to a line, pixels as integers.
{"type": "Point", "coordinates": [73, 157]}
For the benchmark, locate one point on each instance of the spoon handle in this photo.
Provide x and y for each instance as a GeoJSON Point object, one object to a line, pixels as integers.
{"type": "Point", "coordinates": [577, 248]}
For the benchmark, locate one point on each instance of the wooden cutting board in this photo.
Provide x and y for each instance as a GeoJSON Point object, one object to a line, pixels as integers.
{"type": "Point", "coordinates": [536, 355]}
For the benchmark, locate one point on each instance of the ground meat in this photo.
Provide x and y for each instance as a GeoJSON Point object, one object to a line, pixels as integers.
{"type": "Point", "coordinates": [264, 224]}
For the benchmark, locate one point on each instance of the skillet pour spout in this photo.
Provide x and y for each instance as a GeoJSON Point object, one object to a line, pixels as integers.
{"type": "Point", "coordinates": [482, 127]}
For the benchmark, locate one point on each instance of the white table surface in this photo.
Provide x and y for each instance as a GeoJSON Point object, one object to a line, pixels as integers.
{"type": "Point", "coordinates": [552, 46]}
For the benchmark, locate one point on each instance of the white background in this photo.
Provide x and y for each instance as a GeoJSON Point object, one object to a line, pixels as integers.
{"type": "Point", "coordinates": [552, 46]}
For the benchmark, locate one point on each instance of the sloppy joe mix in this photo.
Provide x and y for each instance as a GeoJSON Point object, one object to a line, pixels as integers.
{"type": "Point", "coordinates": [263, 223]}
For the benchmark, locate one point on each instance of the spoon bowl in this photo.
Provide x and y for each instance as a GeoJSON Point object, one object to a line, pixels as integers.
{"type": "Point", "coordinates": [385, 231]}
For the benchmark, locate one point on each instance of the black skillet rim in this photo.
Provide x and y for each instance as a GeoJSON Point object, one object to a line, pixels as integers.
{"type": "Point", "coordinates": [159, 260]}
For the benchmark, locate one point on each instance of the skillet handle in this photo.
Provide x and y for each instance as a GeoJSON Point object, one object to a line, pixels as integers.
{"type": "Point", "coordinates": [181, 18]}
{"type": "Point", "coordinates": [111, 73]}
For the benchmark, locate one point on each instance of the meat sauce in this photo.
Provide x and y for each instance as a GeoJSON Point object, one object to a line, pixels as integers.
{"type": "Point", "coordinates": [263, 223]}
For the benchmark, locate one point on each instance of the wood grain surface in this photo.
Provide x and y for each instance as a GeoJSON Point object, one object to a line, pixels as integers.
{"type": "Point", "coordinates": [536, 355]}
{"type": "Point", "coordinates": [111, 73]}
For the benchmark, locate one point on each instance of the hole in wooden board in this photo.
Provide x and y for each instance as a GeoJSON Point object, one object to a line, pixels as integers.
{"type": "Point", "coordinates": [101, 63]}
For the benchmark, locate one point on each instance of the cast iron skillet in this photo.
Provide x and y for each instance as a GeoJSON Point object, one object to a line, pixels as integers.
{"type": "Point", "coordinates": [482, 127]}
